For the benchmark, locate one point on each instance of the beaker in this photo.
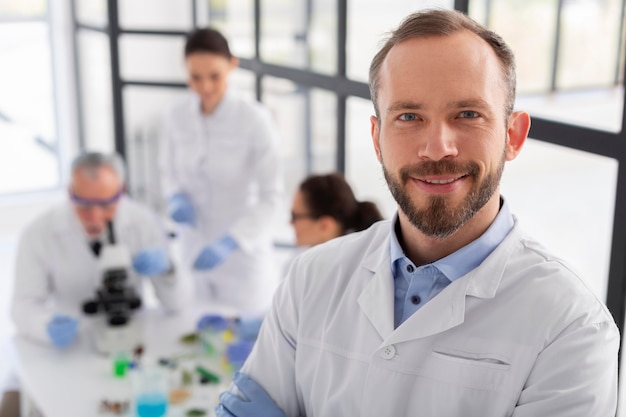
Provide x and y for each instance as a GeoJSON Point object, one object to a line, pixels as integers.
{"type": "Point", "coordinates": [150, 390]}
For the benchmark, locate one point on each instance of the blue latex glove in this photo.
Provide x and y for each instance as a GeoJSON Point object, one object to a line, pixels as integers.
{"type": "Point", "coordinates": [238, 352]}
{"type": "Point", "coordinates": [62, 330]}
{"type": "Point", "coordinates": [180, 209]}
{"type": "Point", "coordinates": [214, 254]}
{"type": "Point", "coordinates": [258, 402]}
{"type": "Point", "coordinates": [213, 322]}
{"type": "Point", "coordinates": [151, 262]}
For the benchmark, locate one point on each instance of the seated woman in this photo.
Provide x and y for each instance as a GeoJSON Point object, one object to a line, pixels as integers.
{"type": "Point", "coordinates": [324, 207]}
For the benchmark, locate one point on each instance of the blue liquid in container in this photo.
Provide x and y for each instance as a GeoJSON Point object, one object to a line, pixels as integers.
{"type": "Point", "coordinates": [151, 405]}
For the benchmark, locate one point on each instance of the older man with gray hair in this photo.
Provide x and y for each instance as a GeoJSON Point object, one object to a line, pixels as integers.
{"type": "Point", "coordinates": [57, 266]}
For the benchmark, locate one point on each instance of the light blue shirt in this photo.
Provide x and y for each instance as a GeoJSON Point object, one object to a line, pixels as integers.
{"type": "Point", "coordinates": [415, 286]}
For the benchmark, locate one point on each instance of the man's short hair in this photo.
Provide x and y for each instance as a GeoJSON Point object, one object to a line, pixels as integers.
{"type": "Point", "coordinates": [440, 22]}
{"type": "Point", "coordinates": [91, 162]}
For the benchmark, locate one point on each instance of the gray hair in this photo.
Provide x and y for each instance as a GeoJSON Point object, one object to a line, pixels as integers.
{"type": "Point", "coordinates": [440, 22]}
{"type": "Point", "coordinates": [91, 162]}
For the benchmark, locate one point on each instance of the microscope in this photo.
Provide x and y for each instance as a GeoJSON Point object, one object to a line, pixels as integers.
{"type": "Point", "coordinates": [115, 301]}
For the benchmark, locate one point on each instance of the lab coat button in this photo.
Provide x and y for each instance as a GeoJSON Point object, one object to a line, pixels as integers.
{"type": "Point", "coordinates": [388, 352]}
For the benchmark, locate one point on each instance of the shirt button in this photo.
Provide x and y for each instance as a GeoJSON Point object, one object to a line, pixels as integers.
{"type": "Point", "coordinates": [388, 352]}
{"type": "Point", "coordinates": [415, 299]}
{"type": "Point", "coordinates": [410, 268]}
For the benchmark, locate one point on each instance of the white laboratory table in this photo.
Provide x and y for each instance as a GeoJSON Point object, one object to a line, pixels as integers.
{"type": "Point", "coordinates": [73, 382]}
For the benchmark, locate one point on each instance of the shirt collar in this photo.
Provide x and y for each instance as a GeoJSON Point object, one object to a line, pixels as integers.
{"type": "Point", "coordinates": [469, 256]}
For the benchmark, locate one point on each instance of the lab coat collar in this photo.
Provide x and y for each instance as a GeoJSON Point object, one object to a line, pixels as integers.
{"type": "Point", "coordinates": [444, 311]}
{"type": "Point", "coordinates": [220, 109]}
{"type": "Point", "coordinates": [376, 299]}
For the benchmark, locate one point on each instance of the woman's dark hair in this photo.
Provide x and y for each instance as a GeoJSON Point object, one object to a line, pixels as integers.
{"type": "Point", "coordinates": [207, 40]}
{"type": "Point", "coordinates": [330, 195]}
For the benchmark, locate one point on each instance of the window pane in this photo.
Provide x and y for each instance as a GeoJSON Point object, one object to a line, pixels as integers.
{"type": "Point", "coordinates": [586, 94]}
{"type": "Point", "coordinates": [306, 119]}
{"type": "Point", "coordinates": [362, 168]}
{"type": "Point", "coordinates": [152, 58]}
{"type": "Point", "coordinates": [92, 12]}
{"type": "Point", "coordinates": [578, 224]}
{"type": "Point", "coordinates": [235, 19]}
{"type": "Point", "coordinates": [157, 14]}
{"type": "Point", "coordinates": [298, 37]}
{"type": "Point", "coordinates": [528, 27]}
{"type": "Point", "coordinates": [323, 122]}
{"type": "Point", "coordinates": [288, 106]}
{"type": "Point", "coordinates": [368, 24]}
{"type": "Point", "coordinates": [95, 90]}
{"type": "Point", "coordinates": [600, 109]}
{"type": "Point", "coordinates": [15, 9]}
{"type": "Point", "coordinates": [590, 29]}
{"type": "Point", "coordinates": [27, 116]}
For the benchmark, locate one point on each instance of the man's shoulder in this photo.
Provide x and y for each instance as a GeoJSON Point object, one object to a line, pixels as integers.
{"type": "Point", "coordinates": [553, 280]}
{"type": "Point", "coordinates": [53, 218]}
{"type": "Point", "coordinates": [48, 225]}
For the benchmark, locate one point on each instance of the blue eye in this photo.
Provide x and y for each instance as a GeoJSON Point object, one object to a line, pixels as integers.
{"type": "Point", "coordinates": [407, 117]}
{"type": "Point", "coordinates": [468, 114]}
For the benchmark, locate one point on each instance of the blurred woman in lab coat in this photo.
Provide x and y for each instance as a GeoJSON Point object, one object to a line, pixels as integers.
{"type": "Point", "coordinates": [220, 174]}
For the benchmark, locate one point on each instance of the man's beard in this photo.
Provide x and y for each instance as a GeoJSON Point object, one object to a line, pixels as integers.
{"type": "Point", "coordinates": [440, 220]}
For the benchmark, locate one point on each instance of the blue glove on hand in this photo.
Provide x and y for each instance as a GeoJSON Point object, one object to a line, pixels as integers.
{"type": "Point", "coordinates": [214, 322]}
{"type": "Point", "coordinates": [62, 330]}
{"type": "Point", "coordinates": [180, 209]}
{"type": "Point", "coordinates": [214, 254]}
{"type": "Point", "coordinates": [258, 402]}
{"type": "Point", "coordinates": [151, 262]}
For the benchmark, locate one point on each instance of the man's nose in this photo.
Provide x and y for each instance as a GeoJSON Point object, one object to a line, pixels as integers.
{"type": "Point", "coordinates": [438, 142]}
{"type": "Point", "coordinates": [97, 214]}
{"type": "Point", "coordinates": [206, 86]}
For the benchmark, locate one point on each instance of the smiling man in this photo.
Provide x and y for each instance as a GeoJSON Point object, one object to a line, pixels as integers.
{"type": "Point", "coordinates": [448, 309]}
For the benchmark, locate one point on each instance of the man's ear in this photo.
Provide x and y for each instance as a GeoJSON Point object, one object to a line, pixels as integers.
{"type": "Point", "coordinates": [375, 131]}
{"type": "Point", "coordinates": [517, 132]}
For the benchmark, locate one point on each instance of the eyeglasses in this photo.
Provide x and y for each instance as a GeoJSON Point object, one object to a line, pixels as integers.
{"type": "Point", "coordinates": [93, 202]}
{"type": "Point", "coordinates": [298, 216]}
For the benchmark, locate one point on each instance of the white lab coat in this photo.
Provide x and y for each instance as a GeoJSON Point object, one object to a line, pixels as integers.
{"type": "Point", "coordinates": [228, 164]}
{"type": "Point", "coordinates": [56, 271]}
{"type": "Point", "coordinates": [521, 335]}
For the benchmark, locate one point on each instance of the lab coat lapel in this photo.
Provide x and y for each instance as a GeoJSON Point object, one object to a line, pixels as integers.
{"type": "Point", "coordinates": [69, 232]}
{"type": "Point", "coordinates": [444, 311]}
{"type": "Point", "coordinates": [75, 257]}
{"type": "Point", "coordinates": [447, 309]}
{"type": "Point", "coordinates": [376, 299]}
